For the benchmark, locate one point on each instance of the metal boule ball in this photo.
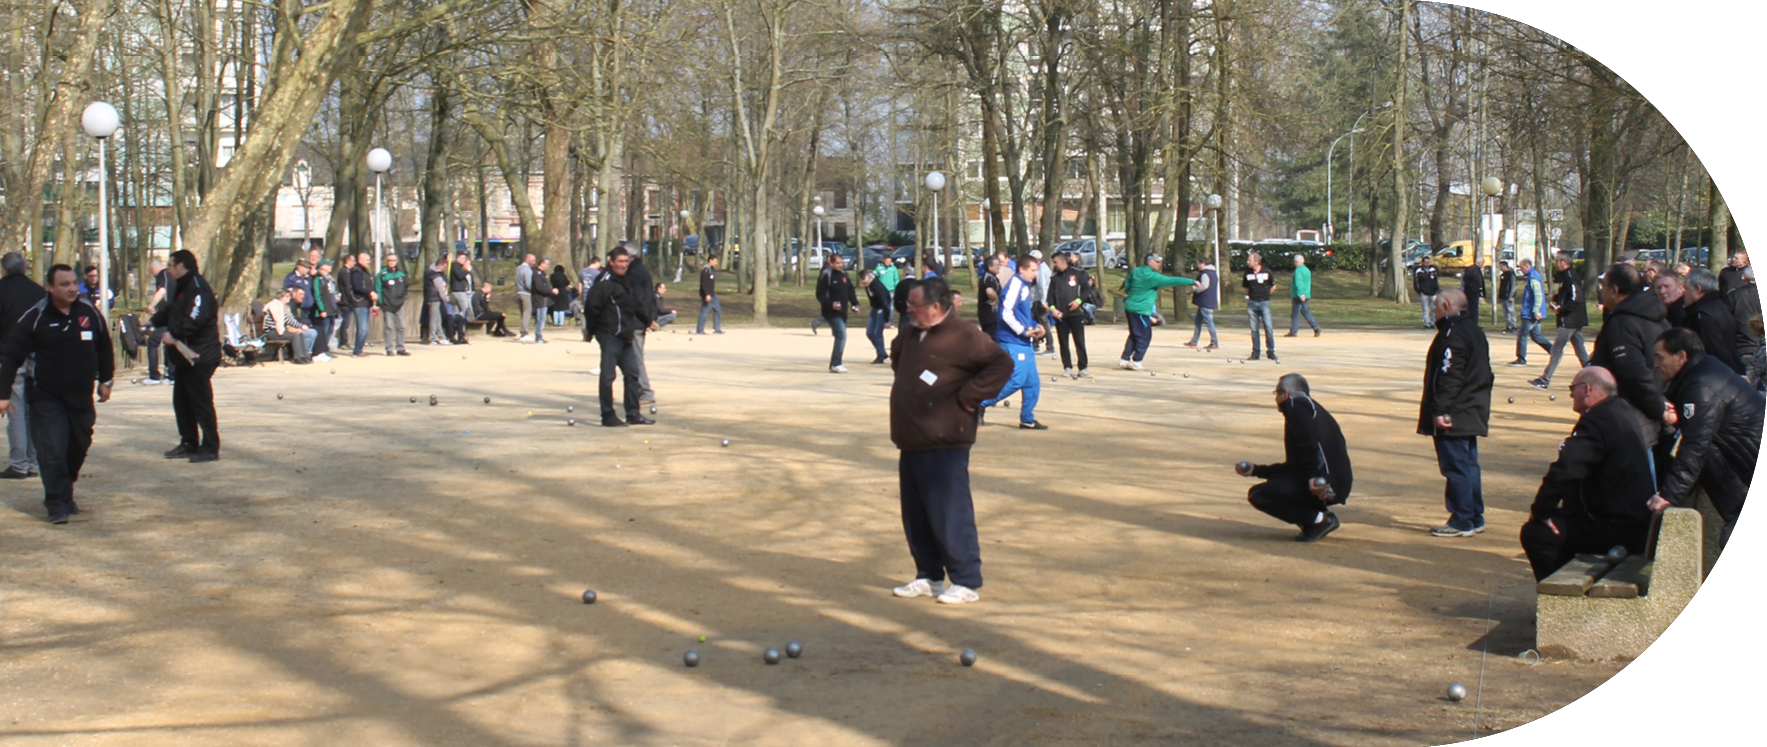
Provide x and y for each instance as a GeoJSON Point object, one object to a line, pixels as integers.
{"type": "Point", "coordinates": [726, 442]}
{"type": "Point", "coordinates": [1150, 373]}
{"type": "Point", "coordinates": [1456, 692]}
{"type": "Point", "coordinates": [487, 400]}
{"type": "Point", "coordinates": [279, 395]}
{"type": "Point", "coordinates": [653, 409]}
{"type": "Point", "coordinates": [334, 370]}
{"type": "Point", "coordinates": [691, 658]}
{"type": "Point", "coordinates": [570, 421]}
{"type": "Point", "coordinates": [794, 649]}
{"type": "Point", "coordinates": [1007, 403]}
{"type": "Point", "coordinates": [414, 400]}
{"type": "Point", "coordinates": [1552, 397]}
{"type": "Point", "coordinates": [968, 657]}
{"type": "Point", "coordinates": [588, 596]}
{"type": "Point", "coordinates": [1512, 400]}
{"type": "Point", "coordinates": [1244, 468]}
{"type": "Point", "coordinates": [1187, 376]}
{"type": "Point", "coordinates": [1617, 553]}
{"type": "Point", "coordinates": [432, 400]}
{"type": "Point", "coordinates": [134, 381]}
{"type": "Point", "coordinates": [771, 656]}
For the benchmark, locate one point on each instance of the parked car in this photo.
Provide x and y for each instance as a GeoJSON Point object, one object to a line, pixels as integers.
{"type": "Point", "coordinates": [957, 257]}
{"type": "Point", "coordinates": [1695, 255]}
{"type": "Point", "coordinates": [904, 256]}
{"type": "Point", "coordinates": [873, 255]}
{"type": "Point", "coordinates": [1087, 250]}
{"type": "Point", "coordinates": [1660, 255]}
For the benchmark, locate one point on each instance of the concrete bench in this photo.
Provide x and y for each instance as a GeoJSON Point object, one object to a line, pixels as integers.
{"type": "Point", "coordinates": [1594, 609]}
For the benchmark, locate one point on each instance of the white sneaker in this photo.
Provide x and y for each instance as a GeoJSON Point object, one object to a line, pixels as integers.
{"type": "Point", "coordinates": [153, 382]}
{"type": "Point", "coordinates": [920, 587]}
{"type": "Point", "coordinates": [596, 371]}
{"type": "Point", "coordinates": [959, 594]}
{"type": "Point", "coordinates": [1123, 364]}
{"type": "Point", "coordinates": [1068, 372]}
{"type": "Point", "coordinates": [837, 369]}
{"type": "Point", "coordinates": [1084, 374]}
{"type": "Point", "coordinates": [525, 338]}
{"type": "Point", "coordinates": [1136, 365]}
{"type": "Point", "coordinates": [322, 357]}
{"type": "Point", "coordinates": [443, 342]}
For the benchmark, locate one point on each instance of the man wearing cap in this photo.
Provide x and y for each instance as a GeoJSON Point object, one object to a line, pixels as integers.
{"type": "Point", "coordinates": [1314, 448]}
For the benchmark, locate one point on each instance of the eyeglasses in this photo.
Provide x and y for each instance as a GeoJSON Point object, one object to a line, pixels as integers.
{"type": "Point", "coordinates": [1573, 387]}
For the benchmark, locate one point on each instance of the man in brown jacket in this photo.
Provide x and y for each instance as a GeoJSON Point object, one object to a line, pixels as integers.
{"type": "Point", "coordinates": [945, 366]}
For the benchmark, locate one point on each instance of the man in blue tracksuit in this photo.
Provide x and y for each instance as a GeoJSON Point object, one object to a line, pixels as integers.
{"type": "Point", "coordinates": [1018, 334]}
{"type": "Point", "coordinates": [1533, 312]}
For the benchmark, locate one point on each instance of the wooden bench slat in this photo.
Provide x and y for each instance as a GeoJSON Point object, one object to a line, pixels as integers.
{"type": "Point", "coordinates": [1629, 579]}
{"type": "Point", "coordinates": [1575, 578]}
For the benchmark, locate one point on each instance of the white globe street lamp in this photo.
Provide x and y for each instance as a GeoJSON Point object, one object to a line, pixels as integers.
{"type": "Point", "coordinates": [935, 181]}
{"type": "Point", "coordinates": [819, 212]}
{"type": "Point", "coordinates": [1214, 204]}
{"type": "Point", "coordinates": [379, 160]}
{"type": "Point", "coordinates": [100, 121]}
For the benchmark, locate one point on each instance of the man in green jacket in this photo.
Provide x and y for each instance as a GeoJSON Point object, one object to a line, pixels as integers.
{"type": "Point", "coordinates": [889, 277]}
{"type": "Point", "coordinates": [1143, 289]}
{"type": "Point", "coordinates": [1301, 292]}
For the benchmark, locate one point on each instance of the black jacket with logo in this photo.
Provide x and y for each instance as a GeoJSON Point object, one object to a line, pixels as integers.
{"type": "Point", "coordinates": [70, 354]}
{"type": "Point", "coordinates": [832, 287]}
{"type": "Point", "coordinates": [1573, 310]}
{"type": "Point", "coordinates": [1424, 280]}
{"type": "Point", "coordinates": [1457, 381]}
{"type": "Point", "coordinates": [1068, 286]}
{"type": "Point", "coordinates": [1258, 284]}
{"type": "Point", "coordinates": [1720, 425]}
{"type": "Point", "coordinates": [1313, 446]}
{"type": "Point", "coordinates": [190, 315]}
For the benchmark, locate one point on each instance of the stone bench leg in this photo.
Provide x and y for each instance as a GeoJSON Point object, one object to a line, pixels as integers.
{"type": "Point", "coordinates": [1594, 628]}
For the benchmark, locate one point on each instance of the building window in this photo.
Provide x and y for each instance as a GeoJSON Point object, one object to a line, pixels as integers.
{"type": "Point", "coordinates": [840, 199]}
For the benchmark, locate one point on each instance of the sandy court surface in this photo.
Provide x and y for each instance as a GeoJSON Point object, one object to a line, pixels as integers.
{"type": "Point", "coordinates": [360, 569]}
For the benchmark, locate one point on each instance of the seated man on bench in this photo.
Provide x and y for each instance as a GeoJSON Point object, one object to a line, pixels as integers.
{"type": "Point", "coordinates": [280, 326]}
{"type": "Point", "coordinates": [1597, 494]}
{"type": "Point", "coordinates": [481, 311]}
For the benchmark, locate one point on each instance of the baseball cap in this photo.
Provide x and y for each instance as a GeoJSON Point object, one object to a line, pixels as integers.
{"type": "Point", "coordinates": [1036, 254]}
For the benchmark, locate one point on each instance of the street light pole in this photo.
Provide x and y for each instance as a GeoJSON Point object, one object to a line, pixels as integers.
{"type": "Point", "coordinates": [1214, 204]}
{"type": "Point", "coordinates": [100, 121]}
{"type": "Point", "coordinates": [935, 181]}
{"type": "Point", "coordinates": [379, 160]}
{"type": "Point", "coordinates": [1330, 215]}
{"type": "Point", "coordinates": [1350, 230]}
{"type": "Point", "coordinates": [819, 212]}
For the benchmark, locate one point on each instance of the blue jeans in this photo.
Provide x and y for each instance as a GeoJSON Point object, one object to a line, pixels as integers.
{"type": "Point", "coordinates": [717, 309]}
{"type": "Point", "coordinates": [838, 325]}
{"type": "Point", "coordinates": [540, 314]}
{"type": "Point", "coordinates": [1205, 316]}
{"type": "Point", "coordinates": [1024, 377]}
{"type": "Point", "coordinates": [1297, 309]}
{"type": "Point", "coordinates": [1258, 312]}
{"type": "Point", "coordinates": [1140, 336]}
{"type": "Point", "coordinates": [1530, 330]}
{"type": "Point", "coordinates": [874, 326]}
{"type": "Point", "coordinates": [361, 315]}
{"type": "Point", "coordinates": [939, 516]}
{"type": "Point", "coordinates": [1458, 458]}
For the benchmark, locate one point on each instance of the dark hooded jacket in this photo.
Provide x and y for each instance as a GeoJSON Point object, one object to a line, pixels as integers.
{"type": "Point", "coordinates": [1711, 320]}
{"type": "Point", "coordinates": [1627, 348]}
{"type": "Point", "coordinates": [1720, 425]}
{"type": "Point", "coordinates": [189, 315]}
{"type": "Point", "coordinates": [1313, 446]}
{"type": "Point", "coordinates": [1603, 472]}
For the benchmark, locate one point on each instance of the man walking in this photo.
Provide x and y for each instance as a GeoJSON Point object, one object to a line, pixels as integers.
{"type": "Point", "coordinates": [616, 315]}
{"type": "Point", "coordinates": [187, 322]}
{"type": "Point", "coordinates": [1314, 448]}
{"type": "Point", "coordinates": [18, 294]}
{"type": "Point", "coordinates": [1206, 294]}
{"type": "Point", "coordinates": [834, 291]}
{"type": "Point", "coordinates": [393, 287]}
{"type": "Point", "coordinates": [1300, 290]}
{"type": "Point", "coordinates": [1259, 284]}
{"type": "Point", "coordinates": [1720, 416]}
{"type": "Point", "coordinates": [63, 346]}
{"type": "Point", "coordinates": [524, 296]}
{"type": "Point", "coordinates": [879, 299]}
{"type": "Point", "coordinates": [1596, 494]}
{"type": "Point", "coordinates": [1143, 289]}
{"type": "Point", "coordinates": [944, 369]}
{"type": "Point", "coordinates": [708, 297]}
{"type": "Point", "coordinates": [1425, 281]}
{"type": "Point", "coordinates": [1572, 315]}
{"type": "Point", "coordinates": [363, 297]}
{"type": "Point", "coordinates": [1506, 295]}
{"type": "Point", "coordinates": [1456, 411]}
{"type": "Point", "coordinates": [888, 276]}
{"type": "Point", "coordinates": [1018, 334]}
{"type": "Point", "coordinates": [1067, 294]}
{"type": "Point", "coordinates": [1533, 313]}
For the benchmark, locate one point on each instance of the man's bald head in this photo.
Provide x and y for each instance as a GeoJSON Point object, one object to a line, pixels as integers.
{"type": "Point", "coordinates": [1455, 299]}
{"type": "Point", "coordinates": [1592, 386]}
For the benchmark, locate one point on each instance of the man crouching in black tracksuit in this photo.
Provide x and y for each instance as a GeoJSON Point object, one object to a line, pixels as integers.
{"type": "Point", "coordinates": [1314, 447]}
{"type": "Point", "coordinates": [1597, 494]}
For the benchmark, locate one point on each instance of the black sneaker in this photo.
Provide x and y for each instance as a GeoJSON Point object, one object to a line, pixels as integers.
{"type": "Point", "coordinates": [58, 518]}
{"type": "Point", "coordinates": [403, 353]}
{"type": "Point", "coordinates": [1541, 384]}
{"type": "Point", "coordinates": [1517, 363]}
{"type": "Point", "coordinates": [981, 416]}
{"type": "Point", "coordinates": [13, 474]}
{"type": "Point", "coordinates": [1318, 531]}
{"type": "Point", "coordinates": [1274, 359]}
{"type": "Point", "coordinates": [612, 423]}
{"type": "Point", "coordinates": [200, 457]}
{"type": "Point", "coordinates": [178, 452]}
{"type": "Point", "coordinates": [1032, 426]}
{"type": "Point", "coordinates": [390, 354]}
{"type": "Point", "coordinates": [639, 420]}
{"type": "Point", "coordinates": [1316, 331]}
{"type": "Point", "coordinates": [1254, 357]}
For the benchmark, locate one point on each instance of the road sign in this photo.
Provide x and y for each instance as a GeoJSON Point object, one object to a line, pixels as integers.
{"type": "Point", "coordinates": [1555, 215]}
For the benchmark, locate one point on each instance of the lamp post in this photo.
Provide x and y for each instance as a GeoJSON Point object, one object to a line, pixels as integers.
{"type": "Point", "coordinates": [935, 181]}
{"type": "Point", "coordinates": [100, 121]}
{"type": "Point", "coordinates": [1491, 186]}
{"type": "Point", "coordinates": [1330, 216]}
{"type": "Point", "coordinates": [379, 160]}
{"type": "Point", "coordinates": [1350, 230]}
{"type": "Point", "coordinates": [1214, 204]}
{"type": "Point", "coordinates": [818, 211]}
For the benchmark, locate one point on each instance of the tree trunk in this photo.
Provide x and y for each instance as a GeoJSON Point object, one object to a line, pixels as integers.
{"type": "Point", "coordinates": [1718, 215]}
{"type": "Point", "coordinates": [1401, 190]}
{"type": "Point", "coordinates": [435, 180]}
